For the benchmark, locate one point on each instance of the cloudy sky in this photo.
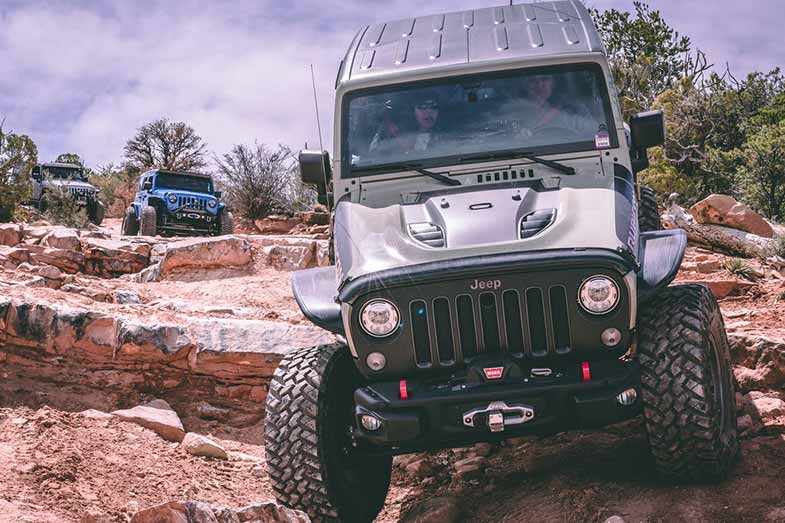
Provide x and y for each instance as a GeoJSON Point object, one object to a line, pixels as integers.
{"type": "Point", "coordinates": [82, 75]}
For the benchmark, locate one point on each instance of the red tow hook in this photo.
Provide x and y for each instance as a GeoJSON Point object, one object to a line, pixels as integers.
{"type": "Point", "coordinates": [404, 390]}
{"type": "Point", "coordinates": [586, 371]}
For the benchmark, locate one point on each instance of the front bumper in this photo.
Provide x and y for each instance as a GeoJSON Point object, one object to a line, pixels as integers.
{"type": "Point", "coordinates": [438, 415]}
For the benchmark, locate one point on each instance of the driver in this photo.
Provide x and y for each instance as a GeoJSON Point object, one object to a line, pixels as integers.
{"type": "Point", "coordinates": [417, 132]}
{"type": "Point", "coordinates": [542, 111]}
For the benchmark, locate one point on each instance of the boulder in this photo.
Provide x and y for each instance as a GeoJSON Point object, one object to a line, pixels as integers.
{"type": "Point", "coordinates": [11, 257]}
{"type": "Point", "coordinates": [315, 218]}
{"type": "Point", "coordinates": [198, 445]}
{"type": "Point", "coordinates": [765, 405]}
{"type": "Point", "coordinates": [157, 416]}
{"type": "Point", "coordinates": [62, 238]}
{"type": "Point", "coordinates": [111, 258]}
{"type": "Point", "coordinates": [720, 209]}
{"type": "Point", "coordinates": [443, 509]}
{"type": "Point", "coordinates": [65, 260]}
{"type": "Point", "coordinates": [287, 257]}
{"type": "Point", "coordinates": [271, 512]}
{"type": "Point", "coordinates": [276, 224]}
{"type": "Point", "coordinates": [10, 234]}
{"type": "Point", "coordinates": [206, 253]}
{"type": "Point", "coordinates": [198, 512]}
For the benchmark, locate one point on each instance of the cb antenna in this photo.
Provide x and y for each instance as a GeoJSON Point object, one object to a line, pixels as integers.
{"type": "Point", "coordinates": [316, 104]}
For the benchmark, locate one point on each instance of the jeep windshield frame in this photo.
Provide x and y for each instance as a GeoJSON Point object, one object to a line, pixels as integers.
{"type": "Point", "coordinates": [490, 91]}
{"type": "Point", "coordinates": [183, 182]}
{"type": "Point", "coordinates": [63, 173]}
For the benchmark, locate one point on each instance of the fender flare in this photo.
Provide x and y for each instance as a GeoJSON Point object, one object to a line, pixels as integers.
{"type": "Point", "coordinates": [660, 254]}
{"type": "Point", "coordinates": [315, 291]}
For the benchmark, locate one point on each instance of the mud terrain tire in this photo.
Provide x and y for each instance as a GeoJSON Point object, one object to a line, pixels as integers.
{"type": "Point", "coordinates": [130, 223]}
{"type": "Point", "coordinates": [308, 415]}
{"type": "Point", "coordinates": [148, 221]}
{"type": "Point", "coordinates": [648, 212]}
{"type": "Point", "coordinates": [226, 223]}
{"type": "Point", "coordinates": [97, 211]}
{"type": "Point", "coordinates": [689, 402]}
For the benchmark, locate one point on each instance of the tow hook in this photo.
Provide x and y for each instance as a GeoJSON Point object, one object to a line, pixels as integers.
{"type": "Point", "coordinates": [498, 415]}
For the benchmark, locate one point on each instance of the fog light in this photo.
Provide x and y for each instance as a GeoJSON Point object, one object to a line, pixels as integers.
{"type": "Point", "coordinates": [611, 337]}
{"type": "Point", "coordinates": [370, 423]}
{"type": "Point", "coordinates": [376, 361]}
{"type": "Point", "coordinates": [627, 397]}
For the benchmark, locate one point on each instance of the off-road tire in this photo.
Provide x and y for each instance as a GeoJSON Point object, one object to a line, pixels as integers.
{"type": "Point", "coordinates": [309, 411]}
{"type": "Point", "coordinates": [148, 221]}
{"type": "Point", "coordinates": [225, 223]}
{"type": "Point", "coordinates": [130, 223]}
{"type": "Point", "coordinates": [688, 396]}
{"type": "Point", "coordinates": [648, 212]}
{"type": "Point", "coordinates": [96, 213]}
{"type": "Point", "coordinates": [43, 204]}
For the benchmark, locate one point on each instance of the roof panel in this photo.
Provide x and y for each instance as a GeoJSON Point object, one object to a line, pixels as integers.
{"type": "Point", "coordinates": [495, 33]}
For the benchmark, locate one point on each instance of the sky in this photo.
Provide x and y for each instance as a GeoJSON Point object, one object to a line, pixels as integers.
{"type": "Point", "coordinates": [81, 76]}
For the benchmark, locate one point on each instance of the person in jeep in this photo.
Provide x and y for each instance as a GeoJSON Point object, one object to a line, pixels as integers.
{"type": "Point", "coordinates": [416, 130]}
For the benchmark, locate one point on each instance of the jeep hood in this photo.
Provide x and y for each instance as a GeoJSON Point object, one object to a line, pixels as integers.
{"type": "Point", "coordinates": [72, 183]}
{"type": "Point", "coordinates": [481, 220]}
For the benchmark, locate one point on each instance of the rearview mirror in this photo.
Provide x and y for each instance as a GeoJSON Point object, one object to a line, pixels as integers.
{"type": "Point", "coordinates": [647, 129]}
{"type": "Point", "coordinates": [218, 194]}
{"type": "Point", "coordinates": [315, 168]}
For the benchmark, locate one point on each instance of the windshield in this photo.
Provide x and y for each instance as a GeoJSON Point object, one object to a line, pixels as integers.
{"type": "Point", "coordinates": [183, 182]}
{"type": "Point", "coordinates": [541, 110]}
{"type": "Point", "coordinates": [63, 173]}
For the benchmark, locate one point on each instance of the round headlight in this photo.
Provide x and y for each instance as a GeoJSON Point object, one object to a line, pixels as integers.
{"type": "Point", "coordinates": [172, 198]}
{"type": "Point", "coordinates": [212, 203]}
{"type": "Point", "coordinates": [379, 318]}
{"type": "Point", "coordinates": [598, 295]}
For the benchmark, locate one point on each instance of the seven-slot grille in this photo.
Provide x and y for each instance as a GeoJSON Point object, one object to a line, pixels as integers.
{"type": "Point", "coordinates": [192, 203]}
{"type": "Point", "coordinates": [532, 323]}
{"type": "Point", "coordinates": [81, 191]}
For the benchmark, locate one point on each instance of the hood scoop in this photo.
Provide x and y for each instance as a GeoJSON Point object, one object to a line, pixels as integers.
{"type": "Point", "coordinates": [535, 222]}
{"type": "Point", "coordinates": [428, 233]}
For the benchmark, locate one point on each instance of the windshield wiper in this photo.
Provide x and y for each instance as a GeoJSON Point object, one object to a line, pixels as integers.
{"type": "Point", "coordinates": [413, 167]}
{"type": "Point", "coordinates": [566, 169]}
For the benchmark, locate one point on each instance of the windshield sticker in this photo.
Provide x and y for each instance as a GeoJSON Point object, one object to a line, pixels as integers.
{"type": "Point", "coordinates": [602, 140]}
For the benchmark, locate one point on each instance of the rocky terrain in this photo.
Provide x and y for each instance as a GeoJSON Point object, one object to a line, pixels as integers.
{"type": "Point", "coordinates": [134, 372]}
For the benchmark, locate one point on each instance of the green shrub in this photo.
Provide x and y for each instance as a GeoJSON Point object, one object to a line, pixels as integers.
{"type": "Point", "coordinates": [62, 208]}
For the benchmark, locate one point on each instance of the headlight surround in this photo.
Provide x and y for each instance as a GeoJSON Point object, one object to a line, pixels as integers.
{"type": "Point", "coordinates": [598, 295]}
{"type": "Point", "coordinates": [172, 198]}
{"type": "Point", "coordinates": [379, 318]}
{"type": "Point", "coordinates": [212, 203]}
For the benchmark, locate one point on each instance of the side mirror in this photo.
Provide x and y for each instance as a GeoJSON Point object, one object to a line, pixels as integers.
{"type": "Point", "coordinates": [147, 185]}
{"type": "Point", "coordinates": [218, 194]}
{"type": "Point", "coordinates": [315, 168]}
{"type": "Point", "coordinates": [647, 129]}
{"type": "Point", "coordinates": [35, 174]}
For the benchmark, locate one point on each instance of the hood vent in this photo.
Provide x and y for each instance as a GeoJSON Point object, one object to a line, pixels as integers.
{"type": "Point", "coordinates": [428, 233]}
{"type": "Point", "coordinates": [535, 222]}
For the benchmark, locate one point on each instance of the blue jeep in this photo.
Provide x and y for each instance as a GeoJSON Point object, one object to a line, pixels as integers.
{"type": "Point", "coordinates": [177, 203]}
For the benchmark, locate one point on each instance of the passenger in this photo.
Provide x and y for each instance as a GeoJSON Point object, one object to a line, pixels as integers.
{"type": "Point", "coordinates": [542, 111]}
{"type": "Point", "coordinates": [416, 133]}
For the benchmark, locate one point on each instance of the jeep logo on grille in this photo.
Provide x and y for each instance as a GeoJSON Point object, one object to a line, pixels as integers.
{"type": "Point", "coordinates": [485, 284]}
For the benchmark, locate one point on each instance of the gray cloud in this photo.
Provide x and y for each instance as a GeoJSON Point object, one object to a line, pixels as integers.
{"type": "Point", "coordinates": [81, 76]}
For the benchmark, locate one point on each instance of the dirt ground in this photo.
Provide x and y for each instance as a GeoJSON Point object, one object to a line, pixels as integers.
{"type": "Point", "coordinates": [58, 466]}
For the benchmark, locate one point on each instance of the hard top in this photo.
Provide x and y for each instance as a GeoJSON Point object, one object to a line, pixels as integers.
{"type": "Point", "coordinates": [179, 173]}
{"type": "Point", "coordinates": [504, 33]}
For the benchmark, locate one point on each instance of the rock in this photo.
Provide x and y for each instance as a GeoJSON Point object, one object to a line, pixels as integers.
{"type": "Point", "coordinates": [745, 423]}
{"type": "Point", "coordinates": [275, 224]}
{"type": "Point", "coordinates": [258, 470]}
{"type": "Point", "coordinates": [157, 416]}
{"type": "Point", "coordinates": [723, 288]}
{"type": "Point", "coordinates": [206, 253]}
{"type": "Point", "coordinates": [95, 414]}
{"type": "Point", "coordinates": [10, 234]}
{"type": "Point", "coordinates": [720, 209]}
{"type": "Point", "coordinates": [126, 297]}
{"type": "Point", "coordinates": [50, 272]}
{"type": "Point", "coordinates": [420, 468]}
{"type": "Point", "coordinates": [483, 449]}
{"type": "Point", "coordinates": [65, 260]}
{"type": "Point", "coordinates": [271, 512]}
{"type": "Point", "coordinates": [615, 519]}
{"type": "Point", "coordinates": [767, 407]}
{"type": "Point", "coordinates": [469, 466]}
{"type": "Point", "coordinates": [287, 257]}
{"type": "Point", "coordinates": [443, 509]}
{"type": "Point", "coordinates": [199, 445]}
{"type": "Point", "coordinates": [62, 238]}
{"type": "Point", "coordinates": [206, 411]}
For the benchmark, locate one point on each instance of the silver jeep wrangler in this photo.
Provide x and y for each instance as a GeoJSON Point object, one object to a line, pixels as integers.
{"type": "Point", "coordinates": [499, 271]}
{"type": "Point", "coordinates": [47, 177]}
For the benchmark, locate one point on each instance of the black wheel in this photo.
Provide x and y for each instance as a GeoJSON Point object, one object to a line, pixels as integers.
{"type": "Point", "coordinates": [225, 223]}
{"type": "Point", "coordinates": [43, 204]}
{"type": "Point", "coordinates": [148, 221]}
{"type": "Point", "coordinates": [130, 223]}
{"type": "Point", "coordinates": [687, 387]}
{"type": "Point", "coordinates": [96, 212]}
{"type": "Point", "coordinates": [648, 212]}
{"type": "Point", "coordinates": [306, 438]}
